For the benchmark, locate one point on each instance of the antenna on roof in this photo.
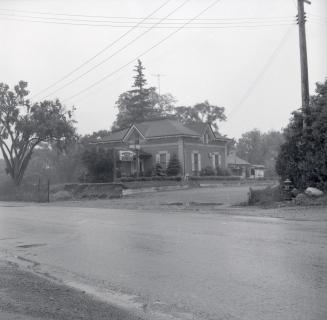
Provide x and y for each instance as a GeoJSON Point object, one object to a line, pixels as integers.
{"type": "Point", "coordinates": [158, 76]}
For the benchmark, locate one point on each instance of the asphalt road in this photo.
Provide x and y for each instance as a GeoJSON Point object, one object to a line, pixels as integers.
{"type": "Point", "coordinates": [186, 265]}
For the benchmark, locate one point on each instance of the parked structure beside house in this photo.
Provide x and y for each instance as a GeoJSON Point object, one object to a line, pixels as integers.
{"type": "Point", "coordinates": [142, 145]}
{"type": "Point", "coordinates": [244, 169]}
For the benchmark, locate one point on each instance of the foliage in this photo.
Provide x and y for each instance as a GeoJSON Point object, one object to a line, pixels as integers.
{"type": "Point", "coordinates": [265, 197]}
{"type": "Point", "coordinates": [23, 126]}
{"type": "Point", "coordinates": [99, 164]}
{"type": "Point", "coordinates": [207, 171]}
{"type": "Point", "coordinates": [302, 157]}
{"type": "Point", "coordinates": [223, 172]}
{"type": "Point", "coordinates": [174, 166]}
{"type": "Point", "coordinates": [153, 178]}
{"type": "Point", "coordinates": [158, 170]}
{"type": "Point", "coordinates": [260, 148]}
{"type": "Point", "coordinates": [140, 103]}
{"type": "Point", "coordinates": [214, 178]}
{"type": "Point", "coordinates": [201, 112]}
{"type": "Point", "coordinates": [60, 167]}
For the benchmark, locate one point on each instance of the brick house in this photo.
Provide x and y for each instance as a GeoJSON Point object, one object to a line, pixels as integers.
{"type": "Point", "coordinates": [142, 145]}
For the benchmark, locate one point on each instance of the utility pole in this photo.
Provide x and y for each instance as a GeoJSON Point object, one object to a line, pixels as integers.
{"type": "Point", "coordinates": [304, 59]}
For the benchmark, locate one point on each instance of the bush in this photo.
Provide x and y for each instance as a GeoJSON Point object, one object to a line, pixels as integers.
{"type": "Point", "coordinates": [302, 158]}
{"type": "Point", "coordinates": [159, 171]}
{"type": "Point", "coordinates": [174, 166]}
{"type": "Point", "coordinates": [266, 196]}
{"type": "Point", "coordinates": [223, 172]}
{"type": "Point", "coordinates": [99, 165]}
{"type": "Point", "coordinates": [207, 171]}
{"type": "Point", "coordinates": [154, 178]}
{"type": "Point", "coordinates": [218, 178]}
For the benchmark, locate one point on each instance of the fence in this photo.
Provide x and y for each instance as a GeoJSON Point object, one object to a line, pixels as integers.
{"type": "Point", "coordinates": [36, 192]}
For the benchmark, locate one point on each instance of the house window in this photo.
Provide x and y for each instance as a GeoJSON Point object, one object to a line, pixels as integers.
{"type": "Point", "coordinates": [196, 162]}
{"type": "Point", "coordinates": [162, 157]}
{"type": "Point", "coordinates": [206, 138]}
{"type": "Point", "coordinates": [136, 139]}
{"type": "Point", "coordinates": [216, 160]}
{"type": "Point", "coordinates": [163, 160]}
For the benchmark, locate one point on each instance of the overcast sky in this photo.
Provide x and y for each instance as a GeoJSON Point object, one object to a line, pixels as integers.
{"type": "Point", "coordinates": [246, 65]}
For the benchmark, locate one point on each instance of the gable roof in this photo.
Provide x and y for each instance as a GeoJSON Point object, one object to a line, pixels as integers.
{"type": "Point", "coordinates": [164, 128]}
{"type": "Point", "coordinates": [234, 159]}
{"type": "Point", "coordinates": [197, 127]}
{"type": "Point", "coordinates": [115, 136]}
{"type": "Point", "coordinates": [158, 129]}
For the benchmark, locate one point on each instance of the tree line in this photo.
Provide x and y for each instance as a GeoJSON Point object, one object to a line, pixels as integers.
{"type": "Point", "coordinates": [40, 139]}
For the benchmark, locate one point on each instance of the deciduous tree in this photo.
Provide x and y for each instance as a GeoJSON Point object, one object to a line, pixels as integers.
{"type": "Point", "coordinates": [23, 126]}
{"type": "Point", "coordinates": [201, 112]}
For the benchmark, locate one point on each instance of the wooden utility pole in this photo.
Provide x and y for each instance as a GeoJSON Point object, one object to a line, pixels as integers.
{"type": "Point", "coordinates": [303, 59]}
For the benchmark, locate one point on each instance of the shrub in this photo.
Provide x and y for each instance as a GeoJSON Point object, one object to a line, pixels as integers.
{"type": "Point", "coordinates": [159, 171]}
{"type": "Point", "coordinates": [302, 158]}
{"type": "Point", "coordinates": [174, 166]}
{"type": "Point", "coordinates": [99, 165]}
{"type": "Point", "coordinates": [207, 171]}
{"type": "Point", "coordinates": [218, 178]}
{"type": "Point", "coordinates": [223, 172]}
{"type": "Point", "coordinates": [266, 196]}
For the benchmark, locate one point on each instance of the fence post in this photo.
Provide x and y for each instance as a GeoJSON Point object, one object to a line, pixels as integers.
{"type": "Point", "coordinates": [39, 190]}
{"type": "Point", "coordinates": [48, 198]}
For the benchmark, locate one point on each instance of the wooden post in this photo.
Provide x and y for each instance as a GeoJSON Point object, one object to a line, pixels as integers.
{"type": "Point", "coordinates": [48, 190]}
{"type": "Point", "coordinates": [114, 164]}
{"type": "Point", "coordinates": [303, 59]}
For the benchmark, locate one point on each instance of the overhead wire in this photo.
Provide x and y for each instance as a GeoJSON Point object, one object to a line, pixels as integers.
{"type": "Point", "coordinates": [263, 71]}
{"type": "Point", "coordinates": [117, 51]}
{"type": "Point", "coordinates": [143, 53]}
{"type": "Point", "coordinates": [111, 44]}
{"type": "Point", "coordinates": [167, 25]}
{"type": "Point", "coordinates": [141, 18]}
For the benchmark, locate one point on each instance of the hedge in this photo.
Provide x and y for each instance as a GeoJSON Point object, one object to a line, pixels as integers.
{"type": "Point", "coordinates": [219, 178]}
{"type": "Point", "coordinates": [155, 178]}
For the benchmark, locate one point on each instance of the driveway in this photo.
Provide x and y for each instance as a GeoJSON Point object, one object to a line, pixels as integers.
{"type": "Point", "coordinates": [182, 265]}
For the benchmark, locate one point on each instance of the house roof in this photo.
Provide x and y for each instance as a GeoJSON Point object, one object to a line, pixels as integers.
{"type": "Point", "coordinates": [160, 128]}
{"type": "Point", "coordinates": [197, 127]}
{"type": "Point", "coordinates": [164, 127]}
{"type": "Point", "coordinates": [234, 159]}
{"type": "Point", "coordinates": [117, 135]}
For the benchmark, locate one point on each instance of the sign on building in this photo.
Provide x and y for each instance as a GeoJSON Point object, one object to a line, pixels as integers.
{"type": "Point", "coordinates": [126, 155]}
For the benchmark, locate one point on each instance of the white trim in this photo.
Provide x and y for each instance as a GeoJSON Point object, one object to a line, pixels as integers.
{"type": "Point", "coordinates": [199, 160]}
{"type": "Point", "coordinates": [129, 132]}
{"type": "Point", "coordinates": [214, 154]}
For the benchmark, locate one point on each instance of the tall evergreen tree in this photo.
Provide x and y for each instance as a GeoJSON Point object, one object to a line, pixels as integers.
{"type": "Point", "coordinates": [138, 104]}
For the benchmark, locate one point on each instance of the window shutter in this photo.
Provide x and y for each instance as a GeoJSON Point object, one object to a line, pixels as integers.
{"type": "Point", "coordinates": [167, 158]}
{"type": "Point", "coordinates": [199, 157]}
{"type": "Point", "coordinates": [192, 158]}
{"type": "Point", "coordinates": [219, 159]}
{"type": "Point", "coordinates": [213, 159]}
{"type": "Point", "coordinates": [157, 158]}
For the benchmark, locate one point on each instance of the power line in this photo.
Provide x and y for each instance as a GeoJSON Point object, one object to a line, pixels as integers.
{"type": "Point", "coordinates": [120, 23]}
{"type": "Point", "coordinates": [143, 53]}
{"type": "Point", "coordinates": [212, 26]}
{"type": "Point", "coordinates": [101, 51]}
{"type": "Point", "coordinates": [140, 18]}
{"type": "Point", "coordinates": [262, 72]}
{"type": "Point", "coordinates": [117, 51]}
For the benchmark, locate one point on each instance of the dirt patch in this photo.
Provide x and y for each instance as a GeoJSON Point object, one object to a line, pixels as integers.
{"type": "Point", "coordinates": [24, 295]}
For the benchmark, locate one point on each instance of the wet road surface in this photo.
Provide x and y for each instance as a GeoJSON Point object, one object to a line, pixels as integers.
{"type": "Point", "coordinates": [188, 265]}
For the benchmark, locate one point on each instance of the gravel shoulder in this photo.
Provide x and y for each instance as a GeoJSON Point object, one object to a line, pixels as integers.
{"type": "Point", "coordinates": [24, 295]}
